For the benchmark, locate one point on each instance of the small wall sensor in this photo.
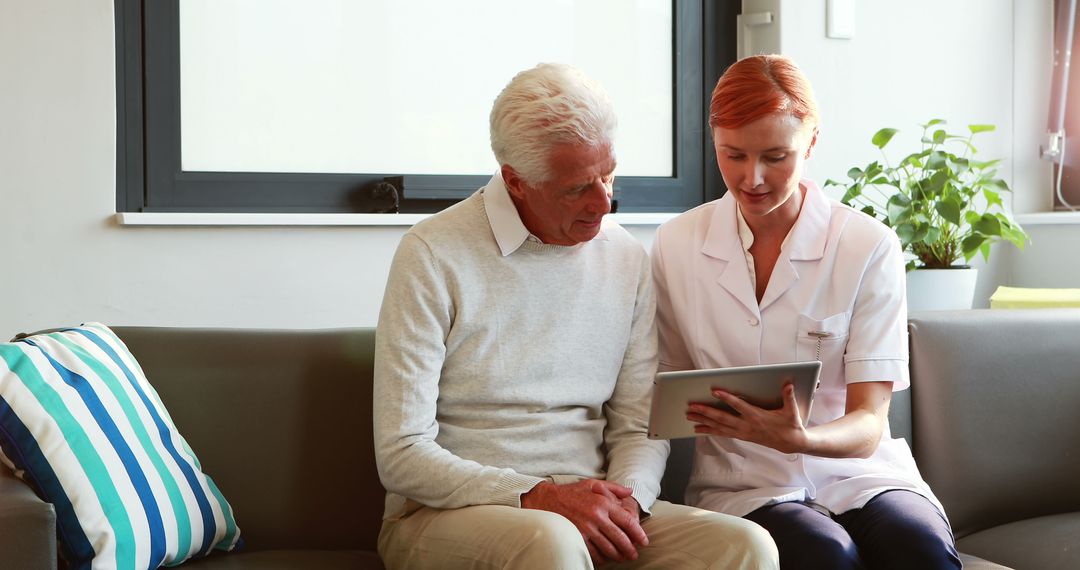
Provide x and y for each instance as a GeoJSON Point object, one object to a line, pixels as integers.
{"type": "Point", "coordinates": [840, 19]}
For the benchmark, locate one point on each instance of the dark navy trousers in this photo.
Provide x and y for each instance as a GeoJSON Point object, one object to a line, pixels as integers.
{"type": "Point", "coordinates": [896, 529]}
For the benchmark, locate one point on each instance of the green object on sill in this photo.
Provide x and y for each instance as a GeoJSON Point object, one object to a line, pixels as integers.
{"type": "Point", "coordinates": [1033, 298]}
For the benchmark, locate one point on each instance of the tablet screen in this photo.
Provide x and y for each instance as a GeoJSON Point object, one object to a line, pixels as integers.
{"type": "Point", "coordinates": [759, 385]}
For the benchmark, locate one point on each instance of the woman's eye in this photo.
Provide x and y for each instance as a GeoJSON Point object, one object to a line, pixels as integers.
{"type": "Point", "coordinates": [736, 156]}
{"type": "Point", "coordinates": [777, 158]}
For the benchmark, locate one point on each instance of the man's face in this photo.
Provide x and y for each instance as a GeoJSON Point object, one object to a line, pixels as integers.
{"type": "Point", "coordinates": [568, 208]}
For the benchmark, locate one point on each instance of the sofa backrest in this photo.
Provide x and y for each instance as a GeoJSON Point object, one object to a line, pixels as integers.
{"type": "Point", "coordinates": [281, 420]}
{"type": "Point", "coordinates": [996, 412]}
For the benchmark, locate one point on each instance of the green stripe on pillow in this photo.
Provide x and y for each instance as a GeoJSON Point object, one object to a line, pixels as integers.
{"type": "Point", "coordinates": [87, 437]}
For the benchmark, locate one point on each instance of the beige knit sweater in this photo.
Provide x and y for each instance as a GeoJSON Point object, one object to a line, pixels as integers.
{"type": "Point", "coordinates": [493, 372]}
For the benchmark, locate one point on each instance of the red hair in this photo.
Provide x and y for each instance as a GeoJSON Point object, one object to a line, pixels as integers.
{"type": "Point", "coordinates": [761, 85]}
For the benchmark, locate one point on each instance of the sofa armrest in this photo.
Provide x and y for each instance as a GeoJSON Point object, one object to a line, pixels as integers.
{"type": "Point", "coordinates": [27, 526]}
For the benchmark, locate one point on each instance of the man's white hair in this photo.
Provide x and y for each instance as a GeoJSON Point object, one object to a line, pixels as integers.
{"type": "Point", "coordinates": [543, 107]}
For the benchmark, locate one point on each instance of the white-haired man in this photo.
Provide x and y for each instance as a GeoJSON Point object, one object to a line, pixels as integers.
{"type": "Point", "coordinates": [514, 360]}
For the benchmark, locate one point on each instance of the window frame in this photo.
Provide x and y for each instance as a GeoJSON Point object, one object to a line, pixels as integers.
{"type": "Point", "coordinates": [149, 177]}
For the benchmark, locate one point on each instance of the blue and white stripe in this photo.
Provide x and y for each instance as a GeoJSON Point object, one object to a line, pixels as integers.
{"type": "Point", "coordinates": [80, 423]}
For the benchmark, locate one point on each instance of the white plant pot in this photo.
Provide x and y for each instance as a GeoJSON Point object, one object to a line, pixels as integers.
{"type": "Point", "coordinates": [940, 289]}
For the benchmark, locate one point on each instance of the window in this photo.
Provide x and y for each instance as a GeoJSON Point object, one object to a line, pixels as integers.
{"type": "Point", "coordinates": [1063, 124]}
{"type": "Point", "coordinates": [248, 106]}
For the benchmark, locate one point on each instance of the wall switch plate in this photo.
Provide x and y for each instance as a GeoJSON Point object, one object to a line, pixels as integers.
{"type": "Point", "coordinates": [840, 19]}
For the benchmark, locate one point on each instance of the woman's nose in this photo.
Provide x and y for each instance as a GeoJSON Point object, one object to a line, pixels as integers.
{"type": "Point", "coordinates": [754, 174]}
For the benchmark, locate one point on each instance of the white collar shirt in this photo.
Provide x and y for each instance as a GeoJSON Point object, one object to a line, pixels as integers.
{"type": "Point", "coordinates": [840, 273]}
{"type": "Point", "coordinates": [510, 232]}
{"type": "Point", "coordinates": [746, 237]}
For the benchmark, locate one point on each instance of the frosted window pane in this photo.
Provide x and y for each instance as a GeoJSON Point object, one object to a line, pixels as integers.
{"type": "Point", "coordinates": [405, 86]}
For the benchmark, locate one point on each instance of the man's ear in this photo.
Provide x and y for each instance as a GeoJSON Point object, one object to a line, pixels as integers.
{"type": "Point", "coordinates": [515, 185]}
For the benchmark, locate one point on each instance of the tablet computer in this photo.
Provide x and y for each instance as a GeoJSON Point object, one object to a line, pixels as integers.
{"type": "Point", "coordinates": [760, 385]}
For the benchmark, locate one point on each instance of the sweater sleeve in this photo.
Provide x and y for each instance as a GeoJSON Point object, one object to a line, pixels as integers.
{"type": "Point", "coordinates": [416, 315]}
{"type": "Point", "coordinates": [634, 460]}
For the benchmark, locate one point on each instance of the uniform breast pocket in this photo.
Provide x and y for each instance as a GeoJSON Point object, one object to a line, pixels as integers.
{"type": "Point", "coordinates": [822, 339]}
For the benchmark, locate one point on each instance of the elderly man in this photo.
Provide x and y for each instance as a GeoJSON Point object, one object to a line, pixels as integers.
{"type": "Point", "coordinates": [514, 361]}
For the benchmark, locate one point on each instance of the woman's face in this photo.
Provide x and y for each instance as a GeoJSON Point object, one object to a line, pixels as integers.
{"type": "Point", "coordinates": [762, 162]}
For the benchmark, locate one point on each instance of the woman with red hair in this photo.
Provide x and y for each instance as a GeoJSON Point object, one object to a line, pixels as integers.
{"type": "Point", "coordinates": [776, 271]}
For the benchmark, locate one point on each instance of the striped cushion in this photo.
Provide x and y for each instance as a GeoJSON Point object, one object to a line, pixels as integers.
{"type": "Point", "coordinates": [80, 423]}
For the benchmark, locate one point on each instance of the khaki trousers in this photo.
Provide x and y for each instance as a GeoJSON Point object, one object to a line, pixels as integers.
{"type": "Point", "coordinates": [491, 536]}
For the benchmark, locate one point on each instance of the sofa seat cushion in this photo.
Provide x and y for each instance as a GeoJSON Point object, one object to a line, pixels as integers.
{"type": "Point", "coordinates": [290, 560]}
{"type": "Point", "coordinates": [1044, 542]}
{"type": "Point", "coordinates": [975, 563]}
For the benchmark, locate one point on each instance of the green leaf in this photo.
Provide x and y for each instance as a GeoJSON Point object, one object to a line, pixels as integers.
{"type": "Point", "coordinates": [905, 232]}
{"type": "Point", "coordinates": [933, 186]}
{"type": "Point", "coordinates": [980, 128]}
{"type": "Point", "coordinates": [1000, 184]}
{"type": "Point", "coordinates": [962, 164]}
{"type": "Point", "coordinates": [853, 191]}
{"type": "Point", "coordinates": [873, 169]}
{"type": "Point", "coordinates": [992, 198]}
{"type": "Point", "coordinates": [937, 160]}
{"type": "Point", "coordinates": [882, 137]}
{"type": "Point", "coordinates": [831, 182]}
{"type": "Point", "coordinates": [971, 217]}
{"type": "Point", "coordinates": [898, 208]}
{"type": "Point", "coordinates": [987, 225]}
{"type": "Point", "coordinates": [985, 249]}
{"type": "Point", "coordinates": [855, 173]}
{"type": "Point", "coordinates": [939, 136]}
{"type": "Point", "coordinates": [971, 148]}
{"type": "Point", "coordinates": [971, 244]}
{"type": "Point", "coordinates": [932, 123]}
{"type": "Point", "coordinates": [949, 208]}
{"type": "Point", "coordinates": [869, 211]}
{"type": "Point", "coordinates": [913, 159]}
{"type": "Point", "coordinates": [932, 235]}
{"type": "Point", "coordinates": [921, 232]}
{"type": "Point", "coordinates": [909, 266]}
{"type": "Point", "coordinates": [987, 164]}
{"type": "Point", "coordinates": [1016, 236]}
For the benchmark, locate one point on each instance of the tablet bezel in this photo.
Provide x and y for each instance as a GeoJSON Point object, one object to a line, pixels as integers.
{"type": "Point", "coordinates": [760, 385]}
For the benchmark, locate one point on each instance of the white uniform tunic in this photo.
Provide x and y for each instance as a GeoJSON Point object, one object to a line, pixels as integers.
{"type": "Point", "coordinates": [840, 274]}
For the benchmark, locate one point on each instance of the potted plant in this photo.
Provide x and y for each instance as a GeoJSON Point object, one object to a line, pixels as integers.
{"type": "Point", "coordinates": [943, 204]}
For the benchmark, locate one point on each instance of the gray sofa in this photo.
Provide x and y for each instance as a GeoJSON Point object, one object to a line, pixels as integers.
{"type": "Point", "coordinates": [281, 421]}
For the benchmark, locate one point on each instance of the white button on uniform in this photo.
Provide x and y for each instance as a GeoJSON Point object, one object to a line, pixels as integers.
{"type": "Point", "coordinates": [753, 322]}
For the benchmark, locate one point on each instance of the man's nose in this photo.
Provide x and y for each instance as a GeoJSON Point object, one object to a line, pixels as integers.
{"type": "Point", "coordinates": [600, 197]}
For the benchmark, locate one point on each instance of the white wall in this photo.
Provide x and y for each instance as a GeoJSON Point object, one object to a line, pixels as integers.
{"type": "Point", "coordinates": [965, 61]}
{"type": "Point", "coordinates": [65, 260]}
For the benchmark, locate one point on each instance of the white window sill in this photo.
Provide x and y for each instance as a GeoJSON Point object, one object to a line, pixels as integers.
{"type": "Point", "coordinates": [1048, 218]}
{"type": "Point", "coordinates": [205, 219]}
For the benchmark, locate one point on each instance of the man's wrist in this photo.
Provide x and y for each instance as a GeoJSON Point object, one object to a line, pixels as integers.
{"type": "Point", "coordinates": [529, 499]}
